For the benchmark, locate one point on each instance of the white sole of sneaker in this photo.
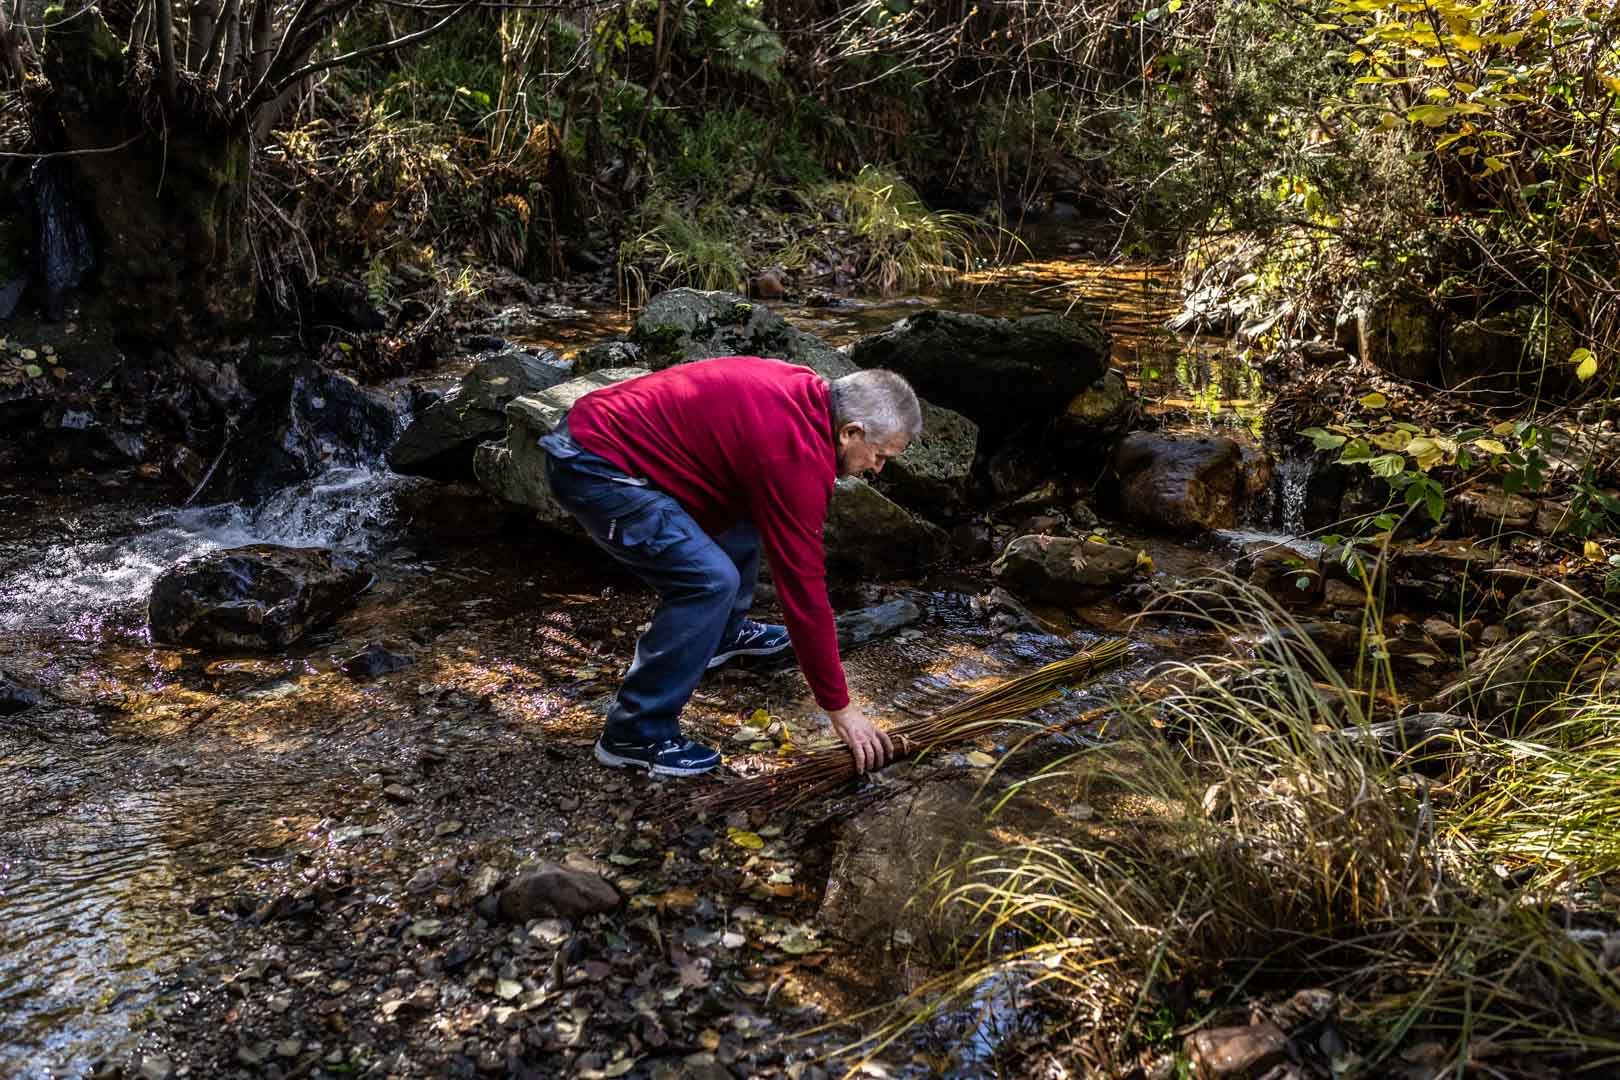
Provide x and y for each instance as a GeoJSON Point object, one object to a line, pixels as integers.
{"type": "Point", "coordinates": [721, 658]}
{"type": "Point", "coordinates": [612, 760]}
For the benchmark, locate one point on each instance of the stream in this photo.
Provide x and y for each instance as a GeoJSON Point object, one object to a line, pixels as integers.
{"type": "Point", "coordinates": [154, 782]}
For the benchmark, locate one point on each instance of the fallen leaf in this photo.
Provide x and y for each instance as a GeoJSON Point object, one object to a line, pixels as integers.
{"type": "Point", "coordinates": [507, 989]}
{"type": "Point", "coordinates": [732, 940]}
{"type": "Point", "coordinates": [744, 839]}
{"type": "Point", "coordinates": [978, 759]}
{"type": "Point", "coordinates": [797, 943]}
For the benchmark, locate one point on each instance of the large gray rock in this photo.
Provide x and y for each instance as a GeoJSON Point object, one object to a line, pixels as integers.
{"type": "Point", "coordinates": [1000, 373]}
{"type": "Point", "coordinates": [440, 442]}
{"type": "Point", "coordinates": [514, 470]}
{"type": "Point", "coordinates": [255, 597]}
{"type": "Point", "coordinates": [869, 536]}
{"type": "Point", "coordinates": [1063, 568]}
{"type": "Point", "coordinates": [1186, 484]}
{"type": "Point", "coordinates": [934, 475]}
{"type": "Point", "coordinates": [682, 325]}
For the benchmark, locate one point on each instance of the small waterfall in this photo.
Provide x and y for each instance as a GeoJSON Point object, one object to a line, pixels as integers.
{"type": "Point", "coordinates": [65, 251]}
{"type": "Point", "coordinates": [1293, 484]}
{"type": "Point", "coordinates": [82, 589]}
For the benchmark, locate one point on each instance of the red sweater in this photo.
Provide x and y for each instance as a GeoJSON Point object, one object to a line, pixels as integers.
{"type": "Point", "coordinates": [732, 439]}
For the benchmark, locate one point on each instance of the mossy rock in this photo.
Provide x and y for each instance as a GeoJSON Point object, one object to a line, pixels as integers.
{"type": "Point", "coordinates": [683, 325]}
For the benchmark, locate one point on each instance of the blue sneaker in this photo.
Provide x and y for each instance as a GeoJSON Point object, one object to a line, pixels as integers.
{"type": "Point", "coordinates": [753, 639]}
{"type": "Point", "coordinates": [663, 757]}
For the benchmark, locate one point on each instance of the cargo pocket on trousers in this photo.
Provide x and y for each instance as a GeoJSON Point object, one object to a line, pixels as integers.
{"type": "Point", "coordinates": [648, 530]}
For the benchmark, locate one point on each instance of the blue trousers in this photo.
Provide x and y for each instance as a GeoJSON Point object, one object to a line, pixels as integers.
{"type": "Point", "coordinates": [705, 584]}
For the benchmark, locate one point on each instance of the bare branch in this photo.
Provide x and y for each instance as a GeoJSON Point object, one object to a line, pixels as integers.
{"type": "Point", "coordinates": [373, 50]}
{"type": "Point", "coordinates": [259, 47]}
{"type": "Point", "coordinates": [204, 21]}
{"type": "Point", "coordinates": [233, 43]}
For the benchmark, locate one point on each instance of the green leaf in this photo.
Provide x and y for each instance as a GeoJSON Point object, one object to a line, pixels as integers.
{"type": "Point", "coordinates": [1491, 446]}
{"type": "Point", "coordinates": [1434, 500]}
{"type": "Point", "coordinates": [1387, 465]}
{"type": "Point", "coordinates": [1585, 363]}
{"type": "Point", "coordinates": [1323, 440]}
{"type": "Point", "coordinates": [33, 371]}
{"type": "Point", "coordinates": [1373, 400]}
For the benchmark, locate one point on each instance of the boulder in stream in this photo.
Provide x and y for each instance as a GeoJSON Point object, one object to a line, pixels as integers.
{"type": "Point", "coordinates": [934, 475]}
{"type": "Point", "coordinates": [1186, 484]}
{"type": "Point", "coordinates": [262, 596]}
{"type": "Point", "coordinates": [440, 442]}
{"type": "Point", "coordinates": [1003, 374]}
{"type": "Point", "coordinates": [514, 469]}
{"type": "Point", "coordinates": [307, 421]}
{"type": "Point", "coordinates": [682, 325]}
{"type": "Point", "coordinates": [869, 536]}
{"type": "Point", "coordinates": [1063, 568]}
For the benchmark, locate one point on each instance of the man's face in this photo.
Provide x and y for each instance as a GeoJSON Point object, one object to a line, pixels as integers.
{"type": "Point", "coordinates": [857, 454]}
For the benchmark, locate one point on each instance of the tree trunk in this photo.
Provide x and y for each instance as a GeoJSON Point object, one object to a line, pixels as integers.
{"type": "Point", "coordinates": [168, 204]}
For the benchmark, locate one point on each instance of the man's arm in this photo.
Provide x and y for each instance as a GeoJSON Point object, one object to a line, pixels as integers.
{"type": "Point", "coordinates": [789, 507]}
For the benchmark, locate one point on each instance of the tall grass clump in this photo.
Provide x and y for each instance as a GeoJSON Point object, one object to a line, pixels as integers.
{"type": "Point", "coordinates": [909, 245]}
{"type": "Point", "coordinates": [1250, 841]}
{"type": "Point", "coordinates": [699, 248]}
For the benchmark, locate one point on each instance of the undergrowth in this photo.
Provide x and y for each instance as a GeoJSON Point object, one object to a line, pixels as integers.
{"type": "Point", "coordinates": [1450, 896]}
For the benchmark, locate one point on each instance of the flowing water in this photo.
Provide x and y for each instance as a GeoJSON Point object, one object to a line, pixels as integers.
{"type": "Point", "coordinates": [153, 776]}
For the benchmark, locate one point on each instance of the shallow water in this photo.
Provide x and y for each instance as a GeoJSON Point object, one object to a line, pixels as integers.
{"type": "Point", "coordinates": [157, 778]}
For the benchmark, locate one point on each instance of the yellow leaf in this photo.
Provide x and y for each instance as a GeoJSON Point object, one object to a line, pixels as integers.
{"type": "Point", "coordinates": [1435, 61]}
{"type": "Point", "coordinates": [1506, 427]}
{"type": "Point", "coordinates": [1490, 446]}
{"type": "Point", "coordinates": [1374, 400]}
{"type": "Point", "coordinates": [759, 721]}
{"type": "Point", "coordinates": [1494, 165]}
{"type": "Point", "coordinates": [1585, 363]}
{"type": "Point", "coordinates": [1593, 550]}
{"type": "Point", "coordinates": [1144, 561]}
{"type": "Point", "coordinates": [1390, 440]}
{"type": "Point", "coordinates": [1425, 453]}
{"type": "Point", "coordinates": [1612, 83]}
{"type": "Point", "coordinates": [1467, 42]}
{"type": "Point", "coordinates": [978, 759]}
{"type": "Point", "coordinates": [745, 839]}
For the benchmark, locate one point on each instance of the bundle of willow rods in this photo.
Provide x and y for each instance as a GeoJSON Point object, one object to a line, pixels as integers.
{"type": "Point", "coordinates": [826, 770]}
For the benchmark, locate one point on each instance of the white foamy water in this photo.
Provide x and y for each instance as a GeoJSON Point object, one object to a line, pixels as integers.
{"type": "Point", "coordinates": [76, 588]}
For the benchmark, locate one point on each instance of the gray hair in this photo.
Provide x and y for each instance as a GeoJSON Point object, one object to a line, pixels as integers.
{"type": "Point", "coordinates": [881, 402]}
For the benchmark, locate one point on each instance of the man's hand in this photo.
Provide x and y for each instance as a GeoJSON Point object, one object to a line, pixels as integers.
{"type": "Point", "coordinates": [868, 742]}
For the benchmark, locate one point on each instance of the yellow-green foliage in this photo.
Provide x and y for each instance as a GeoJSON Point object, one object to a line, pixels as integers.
{"type": "Point", "coordinates": [910, 246]}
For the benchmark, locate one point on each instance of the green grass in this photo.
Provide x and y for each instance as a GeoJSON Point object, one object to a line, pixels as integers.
{"type": "Point", "coordinates": [1241, 850]}
{"type": "Point", "coordinates": [909, 246]}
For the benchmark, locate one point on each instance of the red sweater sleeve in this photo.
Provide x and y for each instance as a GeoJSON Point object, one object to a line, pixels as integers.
{"type": "Point", "coordinates": [788, 505]}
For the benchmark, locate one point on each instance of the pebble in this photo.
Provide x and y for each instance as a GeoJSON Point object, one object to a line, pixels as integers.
{"type": "Point", "coordinates": [156, 1068]}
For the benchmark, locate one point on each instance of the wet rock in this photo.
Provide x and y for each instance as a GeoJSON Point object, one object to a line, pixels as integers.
{"type": "Point", "coordinates": [448, 513]}
{"type": "Point", "coordinates": [934, 474]}
{"type": "Point", "coordinates": [1179, 483]}
{"type": "Point", "coordinates": [1236, 1051]}
{"type": "Point", "coordinates": [156, 1067]}
{"type": "Point", "coordinates": [1064, 569]}
{"type": "Point", "coordinates": [870, 623]}
{"type": "Point", "coordinates": [440, 442]}
{"type": "Point", "coordinates": [1519, 678]}
{"type": "Point", "coordinates": [867, 535]}
{"type": "Point", "coordinates": [1487, 511]}
{"type": "Point", "coordinates": [15, 698]}
{"type": "Point", "coordinates": [1005, 614]}
{"type": "Point", "coordinates": [1019, 466]}
{"type": "Point", "coordinates": [1106, 407]}
{"type": "Point", "coordinates": [254, 597]}
{"type": "Point", "coordinates": [307, 420]}
{"type": "Point", "coordinates": [374, 660]}
{"type": "Point", "coordinates": [1002, 374]}
{"type": "Point", "coordinates": [607, 354]}
{"type": "Point", "coordinates": [1336, 640]}
{"type": "Point", "coordinates": [1554, 518]}
{"type": "Point", "coordinates": [1342, 594]}
{"type": "Point", "coordinates": [971, 541]}
{"type": "Point", "coordinates": [514, 469]}
{"type": "Point", "coordinates": [681, 325]}
{"type": "Point", "coordinates": [1400, 336]}
{"type": "Point", "coordinates": [1292, 576]}
{"type": "Point", "coordinates": [1441, 574]}
{"type": "Point", "coordinates": [555, 891]}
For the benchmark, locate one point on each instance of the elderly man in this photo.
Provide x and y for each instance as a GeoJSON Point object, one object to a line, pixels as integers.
{"type": "Point", "coordinates": [683, 476]}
